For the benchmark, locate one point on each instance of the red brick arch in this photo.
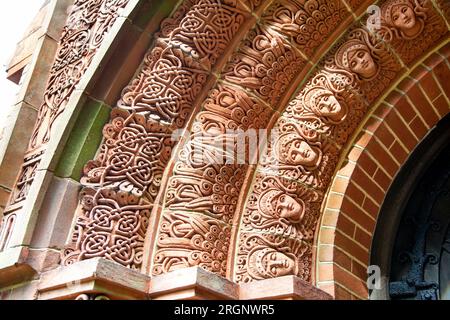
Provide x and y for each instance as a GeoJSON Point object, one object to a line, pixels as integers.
{"type": "Point", "coordinates": [374, 157]}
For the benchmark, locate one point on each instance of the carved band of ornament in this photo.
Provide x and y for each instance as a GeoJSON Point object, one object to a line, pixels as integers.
{"type": "Point", "coordinates": [279, 220]}
{"type": "Point", "coordinates": [88, 23]}
{"type": "Point", "coordinates": [256, 77]}
{"type": "Point", "coordinates": [138, 141]}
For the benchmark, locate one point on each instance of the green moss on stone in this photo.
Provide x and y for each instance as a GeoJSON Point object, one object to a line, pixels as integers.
{"type": "Point", "coordinates": [84, 140]}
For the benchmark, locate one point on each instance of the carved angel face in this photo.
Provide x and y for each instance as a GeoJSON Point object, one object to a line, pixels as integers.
{"type": "Point", "coordinates": [294, 150]}
{"type": "Point", "coordinates": [275, 264]}
{"type": "Point", "coordinates": [277, 204]}
{"type": "Point", "coordinates": [404, 18]}
{"type": "Point", "coordinates": [286, 207]}
{"type": "Point", "coordinates": [361, 62]}
{"type": "Point", "coordinates": [328, 106]}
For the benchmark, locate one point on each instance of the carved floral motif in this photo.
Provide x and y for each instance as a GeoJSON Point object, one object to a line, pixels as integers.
{"type": "Point", "coordinates": [265, 65]}
{"type": "Point", "coordinates": [191, 239]}
{"type": "Point", "coordinates": [307, 24]}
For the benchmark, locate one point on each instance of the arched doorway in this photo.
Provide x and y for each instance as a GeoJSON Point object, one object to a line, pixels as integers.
{"type": "Point", "coordinates": [411, 242]}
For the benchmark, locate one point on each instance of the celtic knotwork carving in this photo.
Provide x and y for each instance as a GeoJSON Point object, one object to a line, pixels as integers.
{"type": "Point", "coordinates": [191, 239]}
{"type": "Point", "coordinates": [410, 26]}
{"type": "Point", "coordinates": [306, 23]}
{"type": "Point", "coordinates": [83, 34]}
{"type": "Point", "coordinates": [265, 65]}
{"type": "Point", "coordinates": [206, 30]}
{"type": "Point", "coordinates": [263, 256]}
{"type": "Point", "coordinates": [166, 86]}
{"type": "Point", "coordinates": [132, 157]}
{"type": "Point", "coordinates": [138, 139]}
{"type": "Point", "coordinates": [87, 24]}
{"type": "Point", "coordinates": [330, 105]}
{"type": "Point", "coordinates": [111, 225]}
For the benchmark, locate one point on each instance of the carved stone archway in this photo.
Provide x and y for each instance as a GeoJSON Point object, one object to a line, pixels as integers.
{"type": "Point", "coordinates": [311, 70]}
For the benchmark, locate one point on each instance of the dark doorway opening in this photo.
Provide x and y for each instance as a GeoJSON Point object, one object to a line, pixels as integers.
{"type": "Point", "coordinates": [411, 244]}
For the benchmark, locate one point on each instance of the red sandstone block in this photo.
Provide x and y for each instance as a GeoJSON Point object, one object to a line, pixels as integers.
{"type": "Point", "coordinates": [442, 106]}
{"type": "Point", "coordinates": [354, 154]}
{"type": "Point", "coordinates": [363, 139]}
{"type": "Point", "coordinates": [330, 218]}
{"type": "Point", "coordinates": [325, 253]}
{"type": "Point", "coordinates": [334, 201]}
{"type": "Point", "coordinates": [340, 185]}
{"type": "Point", "coordinates": [326, 236]}
{"type": "Point", "coordinates": [327, 287]}
{"type": "Point", "coordinates": [326, 272]}
{"type": "Point", "coordinates": [402, 132]}
{"type": "Point", "coordinates": [347, 169]}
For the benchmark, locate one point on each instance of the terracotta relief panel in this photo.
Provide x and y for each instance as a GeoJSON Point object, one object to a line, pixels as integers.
{"type": "Point", "coordinates": [265, 65]}
{"type": "Point", "coordinates": [138, 139]}
{"type": "Point", "coordinates": [166, 87]}
{"type": "Point", "coordinates": [87, 25]}
{"type": "Point", "coordinates": [111, 225]}
{"type": "Point", "coordinates": [329, 105]}
{"type": "Point", "coordinates": [188, 239]}
{"type": "Point", "coordinates": [202, 181]}
{"type": "Point", "coordinates": [310, 135]}
{"type": "Point", "coordinates": [306, 24]}
{"type": "Point", "coordinates": [301, 154]}
{"type": "Point", "coordinates": [366, 61]}
{"type": "Point", "coordinates": [411, 27]}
